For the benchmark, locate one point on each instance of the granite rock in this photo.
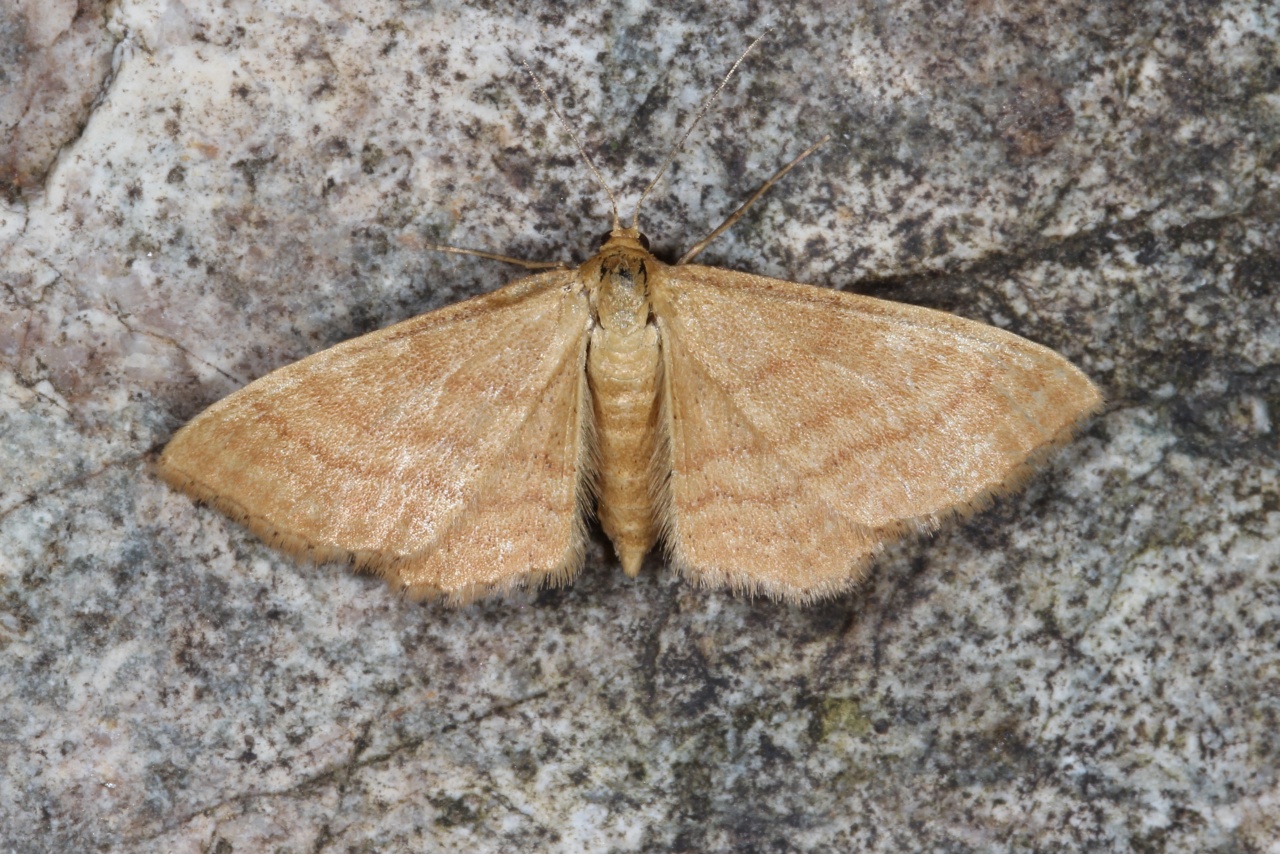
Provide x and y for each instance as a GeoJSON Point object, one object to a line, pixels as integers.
{"type": "Point", "coordinates": [1093, 664]}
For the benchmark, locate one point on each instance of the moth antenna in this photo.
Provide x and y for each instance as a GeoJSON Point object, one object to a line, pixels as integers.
{"type": "Point", "coordinates": [494, 256]}
{"type": "Point", "coordinates": [613, 201]}
{"type": "Point", "coordinates": [742, 209]}
{"type": "Point", "coordinates": [702, 111]}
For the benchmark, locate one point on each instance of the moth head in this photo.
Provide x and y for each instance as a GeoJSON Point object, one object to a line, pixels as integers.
{"type": "Point", "coordinates": [624, 234]}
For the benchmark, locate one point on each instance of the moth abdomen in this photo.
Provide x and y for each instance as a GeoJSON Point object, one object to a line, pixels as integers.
{"type": "Point", "coordinates": [622, 370]}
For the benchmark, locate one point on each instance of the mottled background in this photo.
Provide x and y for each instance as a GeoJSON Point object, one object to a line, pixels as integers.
{"type": "Point", "coordinates": [194, 193]}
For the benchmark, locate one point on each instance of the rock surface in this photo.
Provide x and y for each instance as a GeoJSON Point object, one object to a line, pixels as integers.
{"type": "Point", "coordinates": [1091, 665]}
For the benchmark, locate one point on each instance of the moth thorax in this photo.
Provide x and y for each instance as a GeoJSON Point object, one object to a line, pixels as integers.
{"type": "Point", "coordinates": [621, 295]}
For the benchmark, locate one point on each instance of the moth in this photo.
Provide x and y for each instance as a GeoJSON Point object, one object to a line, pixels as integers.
{"type": "Point", "coordinates": [773, 436]}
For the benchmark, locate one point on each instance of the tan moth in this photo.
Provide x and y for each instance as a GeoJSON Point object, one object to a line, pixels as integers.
{"type": "Point", "coordinates": [773, 436]}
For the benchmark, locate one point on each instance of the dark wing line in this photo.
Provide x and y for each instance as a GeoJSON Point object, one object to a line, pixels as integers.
{"type": "Point", "coordinates": [478, 485]}
{"type": "Point", "coordinates": [780, 460]}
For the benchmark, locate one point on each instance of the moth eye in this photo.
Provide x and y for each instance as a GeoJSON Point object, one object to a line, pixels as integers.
{"type": "Point", "coordinates": [644, 241]}
{"type": "Point", "coordinates": [604, 238]}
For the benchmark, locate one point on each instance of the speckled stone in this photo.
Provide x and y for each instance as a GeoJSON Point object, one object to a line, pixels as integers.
{"type": "Point", "coordinates": [1093, 664]}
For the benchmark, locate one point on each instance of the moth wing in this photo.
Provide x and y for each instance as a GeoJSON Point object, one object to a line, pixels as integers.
{"type": "Point", "coordinates": [808, 427]}
{"type": "Point", "coordinates": [447, 453]}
